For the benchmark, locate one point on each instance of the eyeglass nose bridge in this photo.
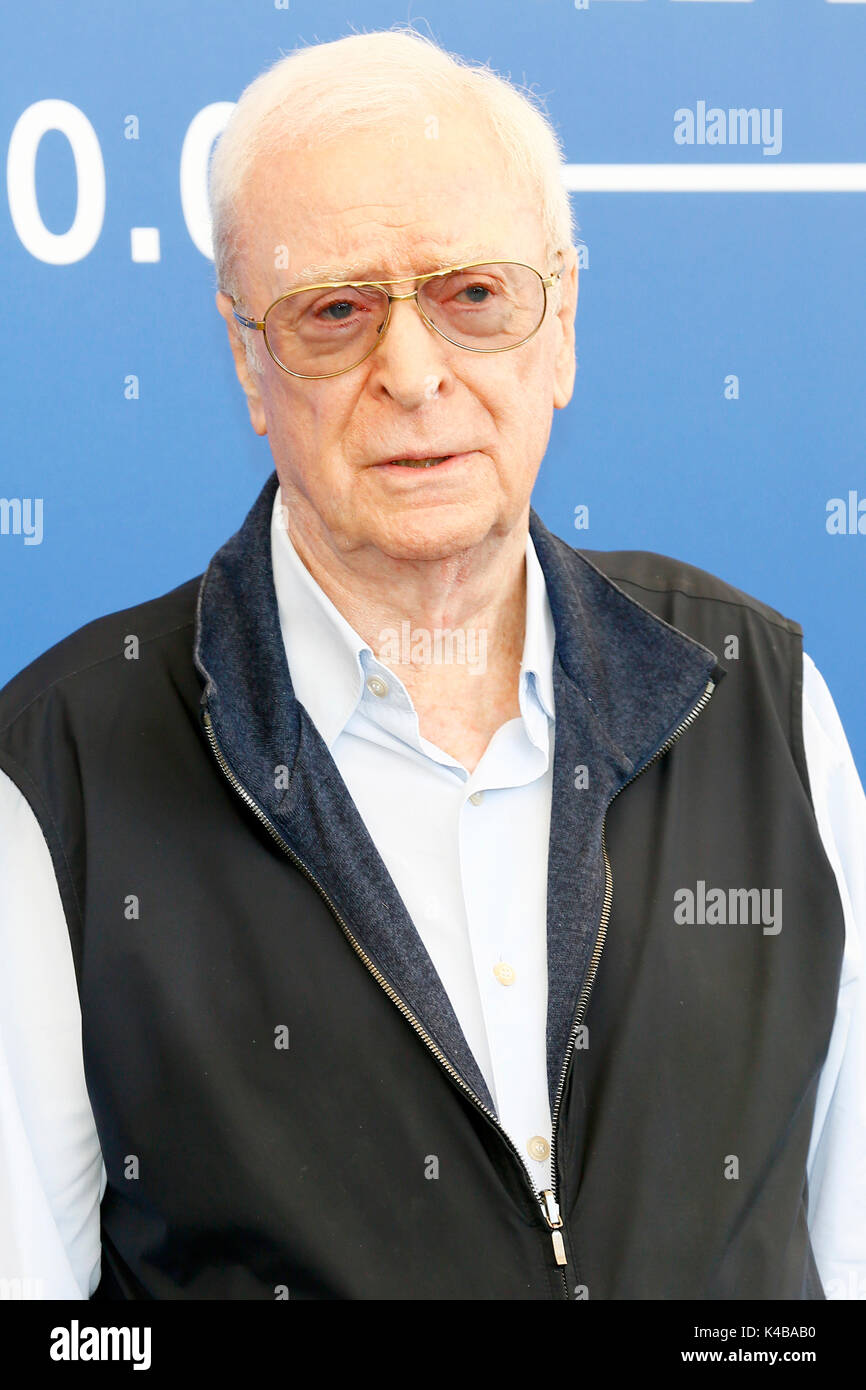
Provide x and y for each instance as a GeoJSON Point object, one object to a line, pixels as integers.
{"type": "Point", "coordinates": [413, 294]}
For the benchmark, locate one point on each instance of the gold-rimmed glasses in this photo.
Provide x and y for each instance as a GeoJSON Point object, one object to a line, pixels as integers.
{"type": "Point", "coordinates": [326, 329]}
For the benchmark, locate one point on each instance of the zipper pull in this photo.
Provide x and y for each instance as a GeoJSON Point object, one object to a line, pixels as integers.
{"type": "Point", "coordinates": [554, 1221]}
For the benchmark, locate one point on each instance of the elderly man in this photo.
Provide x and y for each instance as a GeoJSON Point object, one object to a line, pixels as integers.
{"type": "Point", "coordinates": [446, 918]}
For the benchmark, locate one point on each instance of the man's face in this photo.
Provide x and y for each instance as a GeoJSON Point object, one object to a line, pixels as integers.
{"type": "Point", "coordinates": [397, 205]}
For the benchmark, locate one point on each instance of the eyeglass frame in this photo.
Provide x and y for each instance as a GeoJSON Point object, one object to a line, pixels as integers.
{"type": "Point", "coordinates": [547, 282]}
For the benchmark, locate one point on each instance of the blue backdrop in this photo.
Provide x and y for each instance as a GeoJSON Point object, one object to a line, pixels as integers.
{"type": "Point", "coordinates": [719, 406]}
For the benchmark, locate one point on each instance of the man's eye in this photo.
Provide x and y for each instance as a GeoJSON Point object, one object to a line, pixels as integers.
{"type": "Point", "coordinates": [476, 293]}
{"type": "Point", "coordinates": [337, 311]}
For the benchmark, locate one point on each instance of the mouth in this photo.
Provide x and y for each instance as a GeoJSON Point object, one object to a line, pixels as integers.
{"type": "Point", "coordinates": [417, 461]}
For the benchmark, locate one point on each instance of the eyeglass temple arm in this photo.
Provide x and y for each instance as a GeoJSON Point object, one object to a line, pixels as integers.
{"type": "Point", "coordinates": [248, 323]}
{"type": "Point", "coordinates": [547, 280]}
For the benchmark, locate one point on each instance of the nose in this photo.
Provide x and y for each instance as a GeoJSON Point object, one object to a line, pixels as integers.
{"type": "Point", "coordinates": [409, 362]}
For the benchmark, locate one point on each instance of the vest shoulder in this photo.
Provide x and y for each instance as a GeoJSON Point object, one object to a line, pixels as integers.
{"type": "Point", "coordinates": [647, 572]}
{"type": "Point", "coordinates": [91, 649]}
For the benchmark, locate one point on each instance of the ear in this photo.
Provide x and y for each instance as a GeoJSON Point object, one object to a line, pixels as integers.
{"type": "Point", "coordinates": [246, 376]}
{"type": "Point", "coordinates": [565, 365]}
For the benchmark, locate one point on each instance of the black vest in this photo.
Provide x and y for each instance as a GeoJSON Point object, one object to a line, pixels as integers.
{"type": "Point", "coordinates": [285, 1101]}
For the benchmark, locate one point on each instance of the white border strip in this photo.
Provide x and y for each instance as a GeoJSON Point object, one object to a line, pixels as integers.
{"type": "Point", "coordinates": [715, 178]}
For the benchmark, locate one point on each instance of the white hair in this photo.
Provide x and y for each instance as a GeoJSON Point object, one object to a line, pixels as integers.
{"type": "Point", "coordinates": [366, 82]}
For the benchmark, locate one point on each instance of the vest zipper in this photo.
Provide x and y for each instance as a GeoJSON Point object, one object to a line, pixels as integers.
{"type": "Point", "coordinates": [547, 1199]}
{"type": "Point", "coordinates": [552, 1212]}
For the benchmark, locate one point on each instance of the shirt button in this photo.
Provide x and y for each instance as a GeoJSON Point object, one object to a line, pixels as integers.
{"type": "Point", "coordinates": [377, 686]}
{"type": "Point", "coordinates": [504, 972]}
{"type": "Point", "coordinates": [538, 1148]}
{"type": "Point", "coordinates": [476, 798]}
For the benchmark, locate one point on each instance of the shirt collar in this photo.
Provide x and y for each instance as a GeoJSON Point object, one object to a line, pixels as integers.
{"type": "Point", "coordinates": [329, 662]}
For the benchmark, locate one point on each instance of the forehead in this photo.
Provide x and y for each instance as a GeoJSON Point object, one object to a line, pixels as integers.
{"type": "Point", "coordinates": [385, 204]}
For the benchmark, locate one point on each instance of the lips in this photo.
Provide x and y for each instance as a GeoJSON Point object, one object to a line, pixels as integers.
{"type": "Point", "coordinates": [419, 463]}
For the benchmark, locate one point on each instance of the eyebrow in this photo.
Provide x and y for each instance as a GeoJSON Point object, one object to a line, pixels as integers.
{"type": "Point", "coordinates": [314, 274]}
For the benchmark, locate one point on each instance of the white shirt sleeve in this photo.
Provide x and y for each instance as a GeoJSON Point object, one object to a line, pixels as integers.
{"type": "Point", "coordinates": [51, 1173]}
{"type": "Point", "coordinates": [836, 1164]}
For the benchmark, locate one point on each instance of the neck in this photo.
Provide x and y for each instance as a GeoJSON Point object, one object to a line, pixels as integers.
{"type": "Point", "coordinates": [451, 628]}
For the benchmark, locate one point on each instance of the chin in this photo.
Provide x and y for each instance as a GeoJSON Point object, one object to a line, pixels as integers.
{"type": "Point", "coordinates": [436, 534]}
